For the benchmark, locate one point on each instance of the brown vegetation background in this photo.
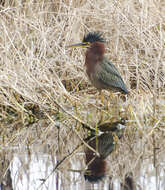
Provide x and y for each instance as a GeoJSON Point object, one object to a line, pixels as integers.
{"type": "Point", "coordinates": [44, 88]}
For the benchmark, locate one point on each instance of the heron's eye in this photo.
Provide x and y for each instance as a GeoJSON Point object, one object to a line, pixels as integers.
{"type": "Point", "coordinates": [86, 43]}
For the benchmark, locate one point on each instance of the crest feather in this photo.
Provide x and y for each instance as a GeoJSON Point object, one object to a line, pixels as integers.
{"type": "Point", "coordinates": [93, 37]}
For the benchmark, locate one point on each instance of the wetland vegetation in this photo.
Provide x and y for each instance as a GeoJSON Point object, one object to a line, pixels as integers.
{"type": "Point", "coordinates": [48, 106]}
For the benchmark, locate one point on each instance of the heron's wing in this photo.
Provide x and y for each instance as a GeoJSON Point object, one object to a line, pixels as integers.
{"type": "Point", "coordinates": [106, 144]}
{"type": "Point", "coordinates": [111, 77]}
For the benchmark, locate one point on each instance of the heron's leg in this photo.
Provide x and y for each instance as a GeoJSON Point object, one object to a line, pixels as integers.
{"type": "Point", "coordinates": [102, 97]}
{"type": "Point", "coordinates": [102, 102]}
{"type": "Point", "coordinates": [111, 95]}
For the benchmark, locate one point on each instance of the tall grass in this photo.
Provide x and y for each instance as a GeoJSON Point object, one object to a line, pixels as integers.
{"type": "Point", "coordinates": [40, 78]}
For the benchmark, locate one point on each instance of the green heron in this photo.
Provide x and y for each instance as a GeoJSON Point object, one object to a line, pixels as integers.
{"type": "Point", "coordinates": [104, 144]}
{"type": "Point", "coordinates": [101, 72]}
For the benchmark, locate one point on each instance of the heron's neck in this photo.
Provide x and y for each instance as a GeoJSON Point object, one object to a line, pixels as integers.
{"type": "Point", "coordinates": [97, 48]}
{"type": "Point", "coordinates": [94, 56]}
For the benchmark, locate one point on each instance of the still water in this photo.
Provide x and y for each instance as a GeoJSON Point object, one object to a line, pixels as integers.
{"type": "Point", "coordinates": [29, 173]}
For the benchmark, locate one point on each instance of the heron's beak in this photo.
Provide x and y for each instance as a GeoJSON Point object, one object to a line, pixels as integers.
{"type": "Point", "coordinates": [82, 44]}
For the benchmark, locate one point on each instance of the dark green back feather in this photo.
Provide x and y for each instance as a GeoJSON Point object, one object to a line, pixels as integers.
{"type": "Point", "coordinates": [111, 77]}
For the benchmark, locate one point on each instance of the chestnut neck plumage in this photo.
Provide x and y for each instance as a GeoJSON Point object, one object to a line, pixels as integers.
{"type": "Point", "coordinates": [96, 164]}
{"type": "Point", "coordinates": [94, 55]}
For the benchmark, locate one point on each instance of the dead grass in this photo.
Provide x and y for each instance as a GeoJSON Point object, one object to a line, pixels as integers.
{"type": "Point", "coordinates": [36, 70]}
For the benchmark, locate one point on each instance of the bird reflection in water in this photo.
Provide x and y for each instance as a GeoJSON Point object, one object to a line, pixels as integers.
{"type": "Point", "coordinates": [104, 144]}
